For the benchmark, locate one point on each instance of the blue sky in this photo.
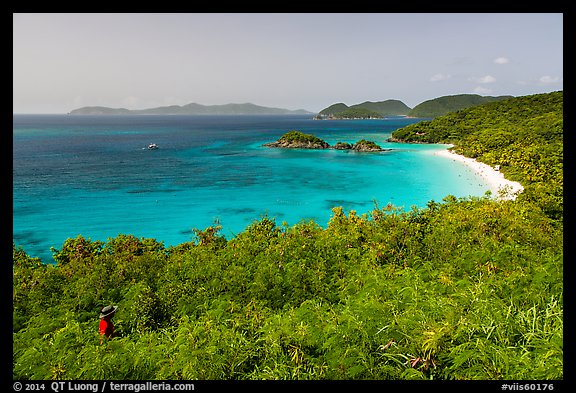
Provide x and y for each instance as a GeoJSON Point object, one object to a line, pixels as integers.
{"type": "Point", "coordinates": [294, 60]}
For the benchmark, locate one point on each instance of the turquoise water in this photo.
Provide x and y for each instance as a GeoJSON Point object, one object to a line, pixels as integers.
{"type": "Point", "coordinates": [93, 176]}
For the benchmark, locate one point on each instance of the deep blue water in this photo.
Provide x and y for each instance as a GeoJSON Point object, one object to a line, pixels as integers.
{"type": "Point", "coordinates": [93, 176]}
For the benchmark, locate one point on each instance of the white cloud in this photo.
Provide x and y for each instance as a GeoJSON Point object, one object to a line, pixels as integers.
{"type": "Point", "coordinates": [483, 79]}
{"type": "Point", "coordinates": [501, 60]}
{"type": "Point", "coordinates": [482, 90]}
{"type": "Point", "coordinates": [549, 79]}
{"type": "Point", "coordinates": [440, 77]}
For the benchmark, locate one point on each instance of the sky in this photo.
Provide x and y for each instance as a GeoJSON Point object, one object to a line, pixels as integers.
{"type": "Point", "coordinates": [64, 61]}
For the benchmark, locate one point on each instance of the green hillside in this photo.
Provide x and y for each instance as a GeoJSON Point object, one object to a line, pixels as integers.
{"type": "Point", "coordinates": [357, 113]}
{"type": "Point", "coordinates": [366, 109]}
{"type": "Point", "coordinates": [443, 105]}
{"type": "Point", "coordinates": [385, 108]}
{"type": "Point", "coordinates": [463, 289]}
{"type": "Point", "coordinates": [333, 109]}
{"type": "Point", "coordinates": [523, 135]}
{"type": "Point", "coordinates": [427, 109]}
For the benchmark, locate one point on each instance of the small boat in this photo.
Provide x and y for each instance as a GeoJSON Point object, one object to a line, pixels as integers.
{"type": "Point", "coordinates": [152, 146]}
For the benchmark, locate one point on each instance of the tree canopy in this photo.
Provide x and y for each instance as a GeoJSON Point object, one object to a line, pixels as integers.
{"type": "Point", "coordinates": [443, 105]}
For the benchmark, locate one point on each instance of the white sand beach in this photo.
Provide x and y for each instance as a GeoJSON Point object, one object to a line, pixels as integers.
{"type": "Point", "coordinates": [501, 188]}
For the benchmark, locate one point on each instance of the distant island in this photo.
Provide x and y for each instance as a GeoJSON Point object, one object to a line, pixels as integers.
{"type": "Point", "coordinates": [428, 109]}
{"type": "Point", "coordinates": [365, 110]}
{"type": "Point", "coordinates": [191, 109]}
{"type": "Point", "coordinates": [299, 140]}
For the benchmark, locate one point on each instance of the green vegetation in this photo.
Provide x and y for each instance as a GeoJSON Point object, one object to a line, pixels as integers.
{"type": "Point", "coordinates": [385, 108]}
{"type": "Point", "coordinates": [334, 108]}
{"type": "Point", "coordinates": [358, 113]}
{"type": "Point", "coordinates": [298, 136]}
{"type": "Point", "coordinates": [364, 110]}
{"type": "Point", "coordinates": [468, 288]}
{"type": "Point", "coordinates": [364, 145]}
{"type": "Point", "coordinates": [299, 140]}
{"type": "Point", "coordinates": [343, 146]}
{"type": "Point", "coordinates": [431, 108]}
{"type": "Point", "coordinates": [523, 135]}
{"type": "Point", "coordinates": [446, 104]}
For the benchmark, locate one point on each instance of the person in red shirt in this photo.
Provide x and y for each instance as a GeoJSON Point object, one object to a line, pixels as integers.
{"type": "Point", "coordinates": [106, 327]}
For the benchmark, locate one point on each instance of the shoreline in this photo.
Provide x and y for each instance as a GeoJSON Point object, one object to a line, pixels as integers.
{"type": "Point", "coordinates": [502, 188]}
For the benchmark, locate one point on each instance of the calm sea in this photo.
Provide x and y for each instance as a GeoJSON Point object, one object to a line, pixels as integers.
{"type": "Point", "coordinates": [93, 176]}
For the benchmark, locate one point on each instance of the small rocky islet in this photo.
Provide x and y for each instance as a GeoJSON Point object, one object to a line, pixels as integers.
{"type": "Point", "coordinates": [300, 140]}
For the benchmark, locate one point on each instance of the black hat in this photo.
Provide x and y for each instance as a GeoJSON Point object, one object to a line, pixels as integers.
{"type": "Point", "coordinates": [108, 310]}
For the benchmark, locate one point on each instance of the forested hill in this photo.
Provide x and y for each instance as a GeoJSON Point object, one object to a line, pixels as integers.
{"type": "Point", "coordinates": [427, 109]}
{"type": "Point", "coordinates": [385, 108]}
{"type": "Point", "coordinates": [443, 105]}
{"type": "Point", "coordinates": [523, 135]}
{"type": "Point", "coordinates": [364, 110]}
{"type": "Point", "coordinates": [463, 289]}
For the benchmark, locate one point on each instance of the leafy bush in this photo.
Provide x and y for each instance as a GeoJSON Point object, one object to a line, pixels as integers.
{"type": "Point", "coordinates": [297, 136]}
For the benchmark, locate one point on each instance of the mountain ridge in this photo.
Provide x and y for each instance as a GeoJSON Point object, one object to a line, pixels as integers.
{"type": "Point", "coordinates": [440, 106]}
{"type": "Point", "coordinates": [368, 109]}
{"type": "Point", "coordinates": [371, 109]}
{"type": "Point", "coordinates": [191, 109]}
{"type": "Point", "coordinates": [427, 109]}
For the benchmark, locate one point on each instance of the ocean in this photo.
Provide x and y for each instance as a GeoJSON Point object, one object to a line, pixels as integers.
{"type": "Point", "coordinates": [94, 176]}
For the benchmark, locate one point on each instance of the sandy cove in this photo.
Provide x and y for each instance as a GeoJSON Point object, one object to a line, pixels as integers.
{"type": "Point", "coordinates": [501, 188]}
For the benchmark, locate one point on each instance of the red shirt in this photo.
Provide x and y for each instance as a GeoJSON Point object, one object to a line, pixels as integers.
{"type": "Point", "coordinates": [106, 327]}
